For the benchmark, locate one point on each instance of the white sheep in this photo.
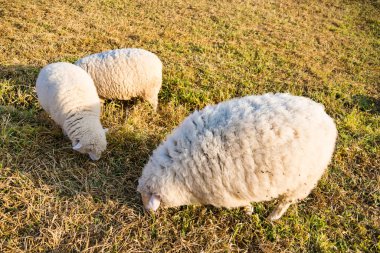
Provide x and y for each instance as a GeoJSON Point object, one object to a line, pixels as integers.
{"type": "Point", "coordinates": [67, 93]}
{"type": "Point", "coordinates": [125, 73]}
{"type": "Point", "coordinates": [250, 149]}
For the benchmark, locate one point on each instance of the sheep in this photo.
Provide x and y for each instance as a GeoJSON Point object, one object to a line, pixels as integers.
{"type": "Point", "coordinates": [250, 149]}
{"type": "Point", "coordinates": [125, 73]}
{"type": "Point", "coordinates": [68, 94]}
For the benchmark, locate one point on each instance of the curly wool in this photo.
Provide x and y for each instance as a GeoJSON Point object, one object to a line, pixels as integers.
{"type": "Point", "coordinates": [67, 93]}
{"type": "Point", "coordinates": [125, 73]}
{"type": "Point", "coordinates": [249, 149]}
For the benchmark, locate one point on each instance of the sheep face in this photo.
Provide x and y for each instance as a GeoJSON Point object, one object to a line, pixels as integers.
{"type": "Point", "coordinates": [93, 145]}
{"type": "Point", "coordinates": [163, 191]}
{"type": "Point", "coordinates": [168, 194]}
{"type": "Point", "coordinates": [150, 201]}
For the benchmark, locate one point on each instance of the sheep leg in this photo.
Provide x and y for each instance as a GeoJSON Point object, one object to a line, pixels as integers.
{"type": "Point", "coordinates": [280, 209]}
{"type": "Point", "coordinates": [152, 95]}
{"type": "Point", "coordinates": [154, 104]}
{"type": "Point", "coordinates": [153, 100]}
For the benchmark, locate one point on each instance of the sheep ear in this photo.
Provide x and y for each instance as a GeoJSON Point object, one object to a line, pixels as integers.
{"type": "Point", "coordinates": [154, 202]}
{"type": "Point", "coordinates": [105, 130]}
{"type": "Point", "coordinates": [77, 146]}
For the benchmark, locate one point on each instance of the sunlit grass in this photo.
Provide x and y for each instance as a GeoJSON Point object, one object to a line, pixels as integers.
{"type": "Point", "coordinates": [55, 200]}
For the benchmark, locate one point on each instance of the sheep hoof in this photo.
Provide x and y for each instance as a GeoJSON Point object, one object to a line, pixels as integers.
{"type": "Point", "coordinates": [274, 216]}
{"type": "Point", "coordinates": [279, 210]}
{"type": "Point", "coordinates": [248, 210]}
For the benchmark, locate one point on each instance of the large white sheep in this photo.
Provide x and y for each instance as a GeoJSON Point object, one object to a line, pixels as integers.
{"type": "Point", "coordinates": [67, 93]}
{"type": "Point", "coordinates": [125, 73]}
{"type": "Point", "coordinates": [249, 149]}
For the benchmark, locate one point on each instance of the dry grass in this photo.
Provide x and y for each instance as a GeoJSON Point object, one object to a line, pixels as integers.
{"type": "Point", "coordinates": [55, 200]}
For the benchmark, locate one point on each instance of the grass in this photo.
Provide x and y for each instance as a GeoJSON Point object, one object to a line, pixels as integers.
{"type": "Point", "coordinates": [55, 200]}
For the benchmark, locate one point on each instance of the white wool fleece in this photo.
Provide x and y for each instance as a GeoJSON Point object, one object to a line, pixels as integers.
{"type": "Point", "coordinates": [125, 73]}
{"type": "Point", "coordinates": [249, 149]}
{"type": "Point", "coordinates": [67, 93]}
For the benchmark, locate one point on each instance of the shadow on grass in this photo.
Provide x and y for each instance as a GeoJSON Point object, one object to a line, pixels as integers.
{"type": "Point", "coordinates": [33, 144]}
{"type": "Point", "coordinates": [366, 103]}
{"type": "Point", "coordinates": [17, 84]}
{"type": "Point", "coordinates": [19, 73]}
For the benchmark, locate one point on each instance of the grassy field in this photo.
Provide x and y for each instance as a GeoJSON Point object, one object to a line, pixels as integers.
{"type": "Point", "coordinates": [55, 200]}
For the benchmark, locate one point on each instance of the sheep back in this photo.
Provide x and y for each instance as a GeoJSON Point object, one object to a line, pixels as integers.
{"type": "Point", "coordinates": [125, 73]}
{"type": "Point", "coordinates": [62, 88]}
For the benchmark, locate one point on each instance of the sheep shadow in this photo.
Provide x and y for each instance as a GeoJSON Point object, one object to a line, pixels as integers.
{"type": "Point", "coordinates": [17, 85]}
{"type": "Point", "coordinates": [32, 144]}
{"type": "Point", "coordinates": [20, 74]}
{"type": "Point", "coordinates": [366, 103]}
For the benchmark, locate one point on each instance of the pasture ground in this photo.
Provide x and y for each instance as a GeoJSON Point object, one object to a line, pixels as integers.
{"type": "Point", "coordinates": [55, 200]}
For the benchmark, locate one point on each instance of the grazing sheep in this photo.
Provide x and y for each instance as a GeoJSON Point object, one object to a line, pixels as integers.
{"type": "Point", "coordinates": [67, 93]}
{"type": "Point", "coordinates": [125, 73]}
{"type": "Point", "coordinates": [249, 149]}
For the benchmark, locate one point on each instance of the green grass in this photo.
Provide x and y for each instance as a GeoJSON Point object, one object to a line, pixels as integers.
{"type": "Point", "coordinates": [55, 200]}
